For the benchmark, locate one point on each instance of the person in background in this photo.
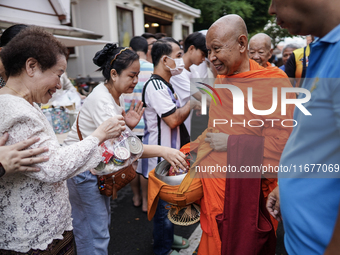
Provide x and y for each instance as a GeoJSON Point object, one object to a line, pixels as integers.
{"type": "Point", "coordinates": [309, 200]}
{"type": "Point", "coordinates": [309, 39]}
{"type": "Point", "coordinates": [286, 52]}
{"type": "Point", "coordinates": [181, 43]}
{"type": "Point", "coordinates": [36, 212]}
{"type": "Point", "coordinates": [139, 45]}
{"type": "Point", "coordinates": [164, 125]}
{"type": "Point", "coordinates": [195, 52]}
{"type": "Point", "coordinates": [260, 49]}
{"type": "Point", "coordinates": [150, 38]}
{"type": "Point", "coordinates": [5, 38]}
{"type": "Point", "coordinates": [297, 64]}
{"type": "Point", "coordinates": [160, 35]}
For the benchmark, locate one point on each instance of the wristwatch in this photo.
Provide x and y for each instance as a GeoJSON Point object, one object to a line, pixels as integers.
{"type": "Point", "coordinates": [2, 170]}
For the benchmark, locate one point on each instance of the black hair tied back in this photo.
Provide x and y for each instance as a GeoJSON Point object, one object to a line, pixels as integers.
{"type": "Point", "coordinates": [104, 55]}
{"type": "Point", "coordinates": [114, 57]}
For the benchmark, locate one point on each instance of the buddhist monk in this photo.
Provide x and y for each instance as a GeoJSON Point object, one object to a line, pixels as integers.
{"type": "Point", "coordinates": [260, 49]}
{"type": "Point", "coordinates": [227, 44]}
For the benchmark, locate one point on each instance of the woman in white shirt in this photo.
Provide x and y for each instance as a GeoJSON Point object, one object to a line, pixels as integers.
{"type": "Point", "coordinates": [91, 211]}
{"type": "Point", "coordinates": [35, 213]}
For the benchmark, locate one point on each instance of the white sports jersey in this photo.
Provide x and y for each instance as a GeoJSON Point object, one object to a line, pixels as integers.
{"type": "Point", "coordinates": [160, 102]}
{"type": "Point", "coordinates": [181, 85]}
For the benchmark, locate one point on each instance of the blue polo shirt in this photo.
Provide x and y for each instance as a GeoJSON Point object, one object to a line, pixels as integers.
{"type": "Point", "coordinates": [310, 200]}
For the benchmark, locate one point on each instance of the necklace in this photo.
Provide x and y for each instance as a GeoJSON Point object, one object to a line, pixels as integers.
{"type": "Point", "coordinates": [15, 91]}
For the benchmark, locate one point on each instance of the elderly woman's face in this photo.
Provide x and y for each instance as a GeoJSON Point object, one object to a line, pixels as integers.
{"type": "Point", "coordinates": [47, 82]}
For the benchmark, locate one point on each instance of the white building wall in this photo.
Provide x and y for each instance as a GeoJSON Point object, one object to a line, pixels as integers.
{"type": "Point", "coordinates": [100, 16]}
{"type": "Point", "coordinates": [94, 15]}
{"type": "Point", "coordinates": [22, 15]}
{"type": "Point", "coordinates": [179, 21]}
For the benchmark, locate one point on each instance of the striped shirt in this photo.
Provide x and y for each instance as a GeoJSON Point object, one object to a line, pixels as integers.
{"type": "Point", "coordinates": [146, 69]}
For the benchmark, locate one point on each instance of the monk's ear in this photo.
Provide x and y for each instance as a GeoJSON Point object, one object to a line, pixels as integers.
{"type": "Point", "coordinates": [243, 43]}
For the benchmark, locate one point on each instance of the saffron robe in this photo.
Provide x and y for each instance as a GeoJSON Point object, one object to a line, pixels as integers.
{"type": "Point", "coordinates": [276, 133]}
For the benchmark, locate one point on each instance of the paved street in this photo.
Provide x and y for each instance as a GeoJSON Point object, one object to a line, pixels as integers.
{"type": "Point", "coordinates": [131, 232]}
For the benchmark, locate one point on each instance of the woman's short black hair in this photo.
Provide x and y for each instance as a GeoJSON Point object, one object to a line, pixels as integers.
{"type": "Point", "coordinates": [162, 47]}
{"type": "Point", "coordinates": [113, 57]}
{"type": "Point", "coordinates": [10, 32]}
{"type": "Point", "coordinates": [31, 42]}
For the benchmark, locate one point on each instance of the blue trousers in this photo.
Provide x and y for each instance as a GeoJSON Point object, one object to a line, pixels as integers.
{"type": "Point", "coordinates": [163, 230]}
{"type": "Point", "coordinates": [91, 213]}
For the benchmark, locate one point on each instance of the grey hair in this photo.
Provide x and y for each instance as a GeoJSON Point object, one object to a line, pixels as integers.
{"type": "Point", "coordinates": [291, 45]}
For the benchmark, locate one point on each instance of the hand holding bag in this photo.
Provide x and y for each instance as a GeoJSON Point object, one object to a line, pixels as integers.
{"type": "Point", "coordinates": [110, 184]}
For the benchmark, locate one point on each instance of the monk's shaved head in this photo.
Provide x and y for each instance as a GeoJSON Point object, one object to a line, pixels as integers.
{"type": "Point", "coordinates": [230, 25]}
{"type": "Point", "coordinates": [227, 44]}
{"type": "Point", "coordinates": [260, 49]}
{"type": "Point", "coordinates": [261, 38]}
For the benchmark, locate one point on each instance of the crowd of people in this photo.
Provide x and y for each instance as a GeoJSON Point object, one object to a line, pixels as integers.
{"type": "Point", "coordinates": [49, 194]}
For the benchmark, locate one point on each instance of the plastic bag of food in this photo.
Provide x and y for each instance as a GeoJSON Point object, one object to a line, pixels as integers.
{"type": "Point", "coordinates": [119, 152]}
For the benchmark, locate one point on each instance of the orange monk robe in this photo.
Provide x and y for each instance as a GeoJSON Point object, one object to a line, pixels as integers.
{"type": "Point", "coordinates": [269, 65]}
{"type": "Point", "coordinates": [275, 139]}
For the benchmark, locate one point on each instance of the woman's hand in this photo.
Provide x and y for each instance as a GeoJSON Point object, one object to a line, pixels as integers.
{"type": "Point", "coordinates": [110, 128]}
{"type": "Point", "coordinates": [17, 158]}
{"type": "Point", "coordinates": [175, 157]}
{"type": "Point", "coordinates": [135, 113]}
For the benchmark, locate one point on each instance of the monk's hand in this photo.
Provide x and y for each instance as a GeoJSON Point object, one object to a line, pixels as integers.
{"type": "Point", "coordinates": [273, 204]}
{"type": "Point", "coordinates": [218, 141]}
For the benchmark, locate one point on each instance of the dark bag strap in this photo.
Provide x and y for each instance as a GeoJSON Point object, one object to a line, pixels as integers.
{"type": "Point", "coordinates": [184, 134]}
{"type": "Point", "coordinates": [78, 130]}
{"type": "Point", "coordinates": [304, 63]}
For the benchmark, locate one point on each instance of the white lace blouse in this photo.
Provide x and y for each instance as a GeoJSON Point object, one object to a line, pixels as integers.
{"type": "Point", "coordinates": [34, 207]}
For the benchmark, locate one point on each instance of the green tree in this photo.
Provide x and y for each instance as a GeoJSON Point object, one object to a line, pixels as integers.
{"type": "Point", "coordinates": [276, 32]}
{"type": "Point", "coordinates": [254, 12]}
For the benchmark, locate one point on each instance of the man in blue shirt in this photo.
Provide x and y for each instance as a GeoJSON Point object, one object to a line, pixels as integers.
{"type": "Point", "coordinates": [309, 194]}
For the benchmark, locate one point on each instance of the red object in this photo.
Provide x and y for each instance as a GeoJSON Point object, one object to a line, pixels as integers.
{"type": "Point", "coordinates": [186, 150]}
{"type": "Point", "coordinates": [245, 226]}
{"type": "Point", "coordinates": [107, 154]}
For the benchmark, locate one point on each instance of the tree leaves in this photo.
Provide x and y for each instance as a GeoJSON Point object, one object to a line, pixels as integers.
{"type": "Point", "coordinates": [254, 12]}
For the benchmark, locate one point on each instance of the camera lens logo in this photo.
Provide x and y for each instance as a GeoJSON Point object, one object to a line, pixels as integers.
{"type": "Point", "coordinates": [204, 97]}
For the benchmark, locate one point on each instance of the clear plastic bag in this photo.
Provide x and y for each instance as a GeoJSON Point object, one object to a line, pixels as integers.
{"type": "Point", "coordinates": [119, 152]}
